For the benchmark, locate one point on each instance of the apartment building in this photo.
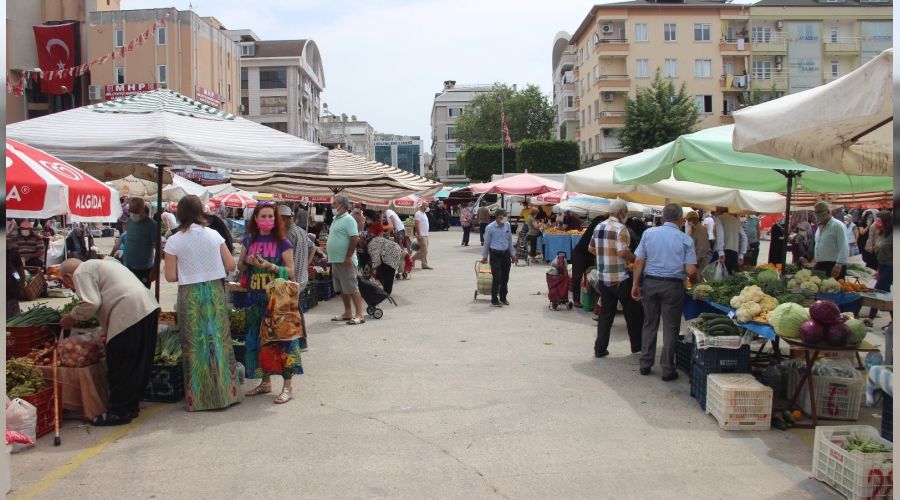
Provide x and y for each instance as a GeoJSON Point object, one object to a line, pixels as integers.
{"type": "Point", "coordinates": [618, 48]}
{"type": "Point", "coordinates": [796, 45]}
{"type": "Point", "coordinates": [190, 54]}
{"type": "Point", "coordinates": [565, 122]}
{"type": "Point", "coordinates": [448, 106]}
{"type": "Point", "coordinates": [353, 135]}
{"type": "Point", "coordinates": [401, 151]}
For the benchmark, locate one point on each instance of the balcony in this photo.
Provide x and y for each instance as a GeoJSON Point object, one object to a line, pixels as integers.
{"type": "Point", "coordinates": [770, 45]}
{"type": "Point", "coordinates": [734, 47]}
{"type": "Point", "coordinates": [611, 118]}
{"type": "Point", "coordinates": [828, 77]}
{"type": "Point", "coordinates": [612, 47]}
{"type": "Point", "coordinates": [738, 83]}
{"type": "Point", "coordinates": [779, 82]}
{"type": "Point", "coordinates": [842, 45]}
{"type": "Point", "coordinates": [726, 119]}
{"type": "Point", "coordinates": [614, 83]}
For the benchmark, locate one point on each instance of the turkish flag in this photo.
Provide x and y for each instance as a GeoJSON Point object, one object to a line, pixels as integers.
{"type": "Point", "coordinates": [56, 51]}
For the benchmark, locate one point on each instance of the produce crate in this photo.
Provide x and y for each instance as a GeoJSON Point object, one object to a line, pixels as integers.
{"type": "Point", "coordinates": [720, 360]}
{"type": "Point", "coordinates": [836, 398]}
{"type": "Point", "coordinates": [693, 308]}
{"type": "Point", "coordinates": [21, 340]}
{"type": "Point", "coordinates": [698, 385]}
{"type": "Point", "coordinates": [240, 350]}
{"type": "Point", "coordinates": [166, 384]}
{"type": "Point", "coordinates": [683, 354]}
{"type": "Point", "coordinates": [36, 287]}
{"type": "Point", "coordinates": [739, 402]}
{"type": "Point", "coordinates": [887, 418]}
{"type": "Point", "coordinates": [855, 475]}
{"type": "Point", "coordinates": [324, 289]}
{"type": "Point", "coordinates": [43, 401]}
{"type": "Point", "coordinates": [239, 300]}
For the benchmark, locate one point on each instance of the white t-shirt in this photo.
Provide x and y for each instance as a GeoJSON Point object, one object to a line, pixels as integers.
{"type": "Point", "coordinates": [171, 222]}
{"type": "Point", "coordinates": [422, 219]}
{"type": "Point", "coordinates": [397, 224]}
{"type": "Point", "coordinates": [199, 256]}
{"type": "Point", "coordinates": [710, 224]}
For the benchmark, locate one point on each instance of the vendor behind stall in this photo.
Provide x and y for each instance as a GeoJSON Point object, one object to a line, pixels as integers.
{"type": "Point", "coordinates": [30, 244]}
{"type": "Point", "coordinates": [832, 250]}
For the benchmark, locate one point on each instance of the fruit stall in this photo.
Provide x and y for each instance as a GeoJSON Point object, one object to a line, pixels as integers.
{"type": "Point", "coordinates": [557, 241]}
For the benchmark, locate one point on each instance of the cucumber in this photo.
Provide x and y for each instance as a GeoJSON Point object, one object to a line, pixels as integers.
{"type": "Point", "coordinates": [720, 322]}
{"type": "Point", "coordinates": [710, 316]}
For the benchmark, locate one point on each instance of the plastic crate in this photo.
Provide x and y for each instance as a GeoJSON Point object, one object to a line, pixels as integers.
{"type": "Point", "coordinates": [698, 385]}
{"type": "Point", "coordinates": [739, 402]}
{"type": "Point", "coordinates": [43, 402]}
{"type": "Point", "coordinates": [240, 350]}
{"type": "Point", "coordinates": [887, 418]}
{"type": "Point", "coordinates": [21, 340]}
{"type": "Point", "coordinates": [683, 354]}
{"type": "Point", "coordinates": [855, 475]}
{"type": "Point", "coordinates": [836, 398]}
{"type": "Point", "coordinates": [166, 384]}
{"type": "Point", "coordinates": [693, 308]}
{"type": "Point", "coordinates": [720, 360]}
{"type": "Point", "coordinates": [324, 289]}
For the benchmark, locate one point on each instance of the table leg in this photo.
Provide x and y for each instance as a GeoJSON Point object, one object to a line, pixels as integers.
{"type": "Point", "coordinates": [859, 361]}
{"type": "Point", "coordinates": [810, 361]}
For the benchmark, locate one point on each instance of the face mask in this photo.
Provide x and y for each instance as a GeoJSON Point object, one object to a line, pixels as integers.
{"type": "Point", "coordinates": [820, 218]}
{"type": "Point", "coordinates": [501, 221]}
{"type": "Point", "coordinates": [135, 217]}
{"type": "Point", "coordinates": [26, 232]}
{"type": "Point", "coordinates": [266, 224]}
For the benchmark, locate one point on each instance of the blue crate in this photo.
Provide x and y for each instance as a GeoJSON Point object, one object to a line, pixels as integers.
{"type": "Point", "coordinates": [718, 360]}
{"type": "Point", "coordinates": [305, 304]}
{"type": "Point", "coordinates": [693, 308]}
{"type": "Point", "coordinates": [240, 300]}
{"type": "Point", "coordinates": [698, 385]}
{"type": "Point", "coordinates": [324, 290]}
{"type": "Point", "coordinates": [240, 353]}
{"type": "Point", "coordinates": [887, 418]}
{"type": "Point", "coordinates": [166, 384]}
{"type": "Point", "coordinates": [683, 354]}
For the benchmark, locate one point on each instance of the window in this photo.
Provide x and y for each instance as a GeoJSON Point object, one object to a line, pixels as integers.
{"type": "Point", "coordinates": [248, 50]}
{"type": "Point", "coordinates": [570, 102]}
{"type": "Point", "coordinates": [671, 68]}
{"type": "Point", "coordinates": [589, 114]}
{"type": "Point", "coordinates": [245, 83]}
{"type": "Point", "coordinates": [119, 38]}
{"type": "Point", "coordinates": [161, 73]}
{"type": "Point", "coordinates": [590, 144]}
{"type": "Point", "coordinates": [451, 133]}
{"type": "Point", "coordinates": [703, 68]}
{"type": "Point", "coordinates": [640, 32]}
{"type": "Point", "coordinates": [273, 78]}
{"type": "Point", "coordinates": [229, 92]}
{"type": "Point", "coordinates": [596, 73]}
{"type": "Point", "coordinates": [761, 34]}
{"type": "Point", "coordinates": [597, 108]}
{"type": "Point", "coordinates": [834, 69]}
{"type": "Point", "coordinates": [582, 118]}
{"type": "Point", "coordinates": [669, 32]}
{"type": "Point", "coordinates": [120, 74]}
{"type": "Point", "coordinates": [273, 105]}
{"type": "Point", "coordinates": [597, 143]}
{"type": "Point", "coordinates": [454, 112]}
{"type": "Point", "coordinates": [643, 68]}
{"type": "Point", "coordinates": [834, 35]}
{"type": "Point", "coordinates": [704, 103]}
{"type": "Point", "coordinates": [245, 105]}
{"type": "Point", "coordinates": [279, 126]}
{"type": "Point", "coordinates": [161, 36]}
{"type": "Point", "coordinates": [701, 32]}
{"type": "Point", "coordinates": [762, 70]}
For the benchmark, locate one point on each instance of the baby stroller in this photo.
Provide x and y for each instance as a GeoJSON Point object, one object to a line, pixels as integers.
{"type": "Point", "coordinates": [484, 280]}
{"type": "Point", "coordinates": [558, 283]}
{"type": "Point", "coordinates": [373, 295]}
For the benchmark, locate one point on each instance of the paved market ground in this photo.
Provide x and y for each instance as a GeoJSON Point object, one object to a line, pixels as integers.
{"type": "Point", "coordinates": [444, 397]}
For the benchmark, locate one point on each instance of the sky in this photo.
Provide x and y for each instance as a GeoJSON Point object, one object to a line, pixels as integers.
{"type": "Point", "coordinates": [385, 59]}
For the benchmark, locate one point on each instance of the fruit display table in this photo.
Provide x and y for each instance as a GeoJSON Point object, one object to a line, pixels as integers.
{"type": "Point", "coordinates": [556, 243]}
{"type": "Point", "coordinates": [84, 391]}
{"type": "Point", "coordinates": [879, 300]}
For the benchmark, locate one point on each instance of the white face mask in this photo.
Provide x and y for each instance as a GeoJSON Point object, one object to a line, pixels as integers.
{"type": "Point", "coordinates": [26, 232]}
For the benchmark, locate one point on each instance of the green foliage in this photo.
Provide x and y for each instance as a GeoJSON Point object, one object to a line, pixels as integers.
{"type": "Point", "coordinates": [658, 114]}
{"type": "Point", "coordinates": [547, 157]}
{"type": "Point", "coordinates": [757, 96]}
{"type": "Point", "coordinates": [480, 161]}
{"type": "Point", "coordinates": [529, 115]}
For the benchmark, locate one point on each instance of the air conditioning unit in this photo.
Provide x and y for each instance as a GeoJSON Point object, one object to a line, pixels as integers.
{"type": "Point", "coordinates": [609, 97]}
{"type": "Point", "coordinates": [606, 28]}
{"type": "Point", "coordinates": [779, 60]}
{"type": "Point", "coordinates": [163, 86]}
{"type": "Point", "coordinates": [777, 66]}
{"type": "Point", "coordinates": [779, 25]}
{"type": "Point", "coordinates": [95, 93]}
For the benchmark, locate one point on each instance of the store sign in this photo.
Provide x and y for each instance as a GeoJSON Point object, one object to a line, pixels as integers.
{"type": "Point", "coordinates": [395, 143]}
{"type": "Point", "coordinates": [207, 97]}
{"type": "Point", "coordinates": [288, 197]}
{"type": "Point", "coordinates": [120, 90]}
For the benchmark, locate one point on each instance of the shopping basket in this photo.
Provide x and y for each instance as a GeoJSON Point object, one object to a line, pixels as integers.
{"type": "Point", "coordinates": [483, 279]}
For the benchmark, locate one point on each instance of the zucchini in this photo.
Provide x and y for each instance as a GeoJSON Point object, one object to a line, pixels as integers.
{"type": "Point", "coordinates": [720, 322]}
{"type": "Point", "coordinates": [710, 316]}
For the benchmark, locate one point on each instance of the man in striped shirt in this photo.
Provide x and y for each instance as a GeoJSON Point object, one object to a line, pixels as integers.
{"type": "Point", "coordinates": [611, 246]}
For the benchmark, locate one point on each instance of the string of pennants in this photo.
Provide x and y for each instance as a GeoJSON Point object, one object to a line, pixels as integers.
{"type": "Point", "coordinates": [18, 88]}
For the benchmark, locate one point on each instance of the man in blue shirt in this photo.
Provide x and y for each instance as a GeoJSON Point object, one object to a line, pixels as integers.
{"type": "Point", "coordinates": [140, 241]}
{"type": "Point", "coordinates": [665, 257]}
{"type": "Point", "coordinates": [498, 246]}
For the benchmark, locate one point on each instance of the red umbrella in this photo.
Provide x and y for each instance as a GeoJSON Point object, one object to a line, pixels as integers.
{"type": "Point", "coordinates": [39, 185]}
{"type": "Point", "coordinates": [554, 197]}
{"type": "Point", "coordinates": [238, 199]}
{"type": "Point", "coordinates": [522, 184]}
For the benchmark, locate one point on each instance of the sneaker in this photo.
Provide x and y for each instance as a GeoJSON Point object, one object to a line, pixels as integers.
{"type": "Point", "coordinates": [645, 371]}
{"type": "Point", "coordinates": [496, 304]}
{"type": "Point", "coordinates": [601, 354]}
{"type": "Point", "coordinates": [504, 302]}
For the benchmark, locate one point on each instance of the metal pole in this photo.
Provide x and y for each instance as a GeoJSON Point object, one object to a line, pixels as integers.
{"type": "Point", "coordinates": [502, 141]}
{"type": "Point", "coordinates": [158, 217]}
{"type": "Point", "coordinates": [787, 213]}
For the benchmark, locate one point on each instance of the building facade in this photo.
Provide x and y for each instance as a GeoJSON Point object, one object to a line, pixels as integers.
{"type": "Point", "coordinates": [565, 123]}
{"type": "Point", "coordinates": [401, 151]}
{"type": "Point", "coordinates": [353, 135]}
{"type": "Point", "coordinates": [619, 47]}
{"type": "Point", "coordinates": [190, 54]}
{"type": "Point", "coordinates": [448, 106]}
{"type": "Point", "coordinates": [281, 83]}
{"type": "Point", "coordinates": [800, 44]}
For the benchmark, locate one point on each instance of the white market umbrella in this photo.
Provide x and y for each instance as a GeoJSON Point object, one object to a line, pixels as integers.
{"type": "Point", "coordinates": [132, 186]}
{"type": "Point", "coordinates": [182, 187]}
{"type": "Point", "coordinates": [553, 197]}
{"type": "Point", "coordinates": [844, 126]}
{"type": "Point", "coordinates": [238, 199]}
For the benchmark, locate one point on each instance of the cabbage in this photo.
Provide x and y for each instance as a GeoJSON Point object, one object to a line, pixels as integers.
{"type": "Point", "coordinates": [787, 318]}
{"type": "Point", "coordinates": [857, 331]}
{"type": "Point", "coordinates": [812, 333]}
{"type": "Point", "coordinates": [837, 334]}
{"type": "Point", "coordinates": [767, 276]}
{"type": "Point", "coordinates": [825, 312]}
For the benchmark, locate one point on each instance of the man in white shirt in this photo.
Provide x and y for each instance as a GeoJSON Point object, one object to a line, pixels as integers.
{"type": "Point", "coordinates": [397, 227]}
{"type": "Point", "coordinates": [731, 240]}
{"type": "Point", "coordinates": [129, 315]}
{"type": "Point", "coordinates": [710, 224]}
{"type": "Point", "coordinates": [422, 236]}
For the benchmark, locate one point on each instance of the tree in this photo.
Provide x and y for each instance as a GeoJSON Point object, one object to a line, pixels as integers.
{"type": "Point", "coordinates": [481, 161]}
{"type": "Point", "coordinates": [547, 157]}
{"type": "Point", "coordinates": [529, 115]}
{"type": "Point", "coordinates": [657, 115]}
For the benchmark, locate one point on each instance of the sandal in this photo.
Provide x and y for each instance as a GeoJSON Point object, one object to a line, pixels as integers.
{"type": "Point", "coordinates": [109, 419]}
{"type": "Point", "coordinates": [339, 318]}
{"type": "Point", "coordinates": [284, 397]}
{"type": "Point", "coordinates": [356, 321]}
{"type": "Point", "coordinates": [262, 388]}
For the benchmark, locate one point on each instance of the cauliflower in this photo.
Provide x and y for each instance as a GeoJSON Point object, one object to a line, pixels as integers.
{"type": "Point", "coordinates": [768, 303]}
{"type": "Point", "coordinates": [830, 285]}
{"type": "Point", "coordinates": [701, 292]}
{"type": "Point", "coordinates": [793, 284]}
{"type": "Point", "coordinates": [809, 285]}
{"type": "Point", "coordinates": [815, 279]}
{"type": "Point", "coordinates": [748, 311]}
{"type": "Point", "coordinates": [751, 293]}
{"type": "Point", "coordinates": [803, 275]}
{"type": "Point", "coordinates": [736, 301]}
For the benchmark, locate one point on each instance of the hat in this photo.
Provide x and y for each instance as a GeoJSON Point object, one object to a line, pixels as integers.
{"type": "Point", "coordinates": [285, 211]}
{"type": "Point", "coordinates": [692, 215]}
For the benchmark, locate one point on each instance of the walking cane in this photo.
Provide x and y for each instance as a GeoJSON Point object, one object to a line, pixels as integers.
{"type": "Point", "coordinates": [56, 440]}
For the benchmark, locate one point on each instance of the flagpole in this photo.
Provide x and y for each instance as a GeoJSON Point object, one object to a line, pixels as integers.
{"type": "Point", "coordinates": [502, 140]}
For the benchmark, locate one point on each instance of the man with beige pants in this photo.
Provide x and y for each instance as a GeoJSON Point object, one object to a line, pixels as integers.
{"type": "Point", "coordinates": [422, 236]}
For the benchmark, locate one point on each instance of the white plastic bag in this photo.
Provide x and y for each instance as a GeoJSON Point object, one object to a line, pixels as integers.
{"type": "Point", "coordinates": [21, 416]}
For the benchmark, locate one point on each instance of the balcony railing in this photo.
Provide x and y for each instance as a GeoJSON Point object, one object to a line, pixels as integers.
{"type": "Point", "coordinates": [734, 45]}
{"type": "Point", "coordinates": [773, 44]}
{"type": "Point", "coordinates": [611, 118]}
{"type": "Point", "coordinates": [842, 45]}
{"type": "Point", "coordinates": [779, 82]}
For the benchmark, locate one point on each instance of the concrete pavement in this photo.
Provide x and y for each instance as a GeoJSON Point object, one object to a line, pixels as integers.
{"type": "Point", "coordinates": [445, 397]}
